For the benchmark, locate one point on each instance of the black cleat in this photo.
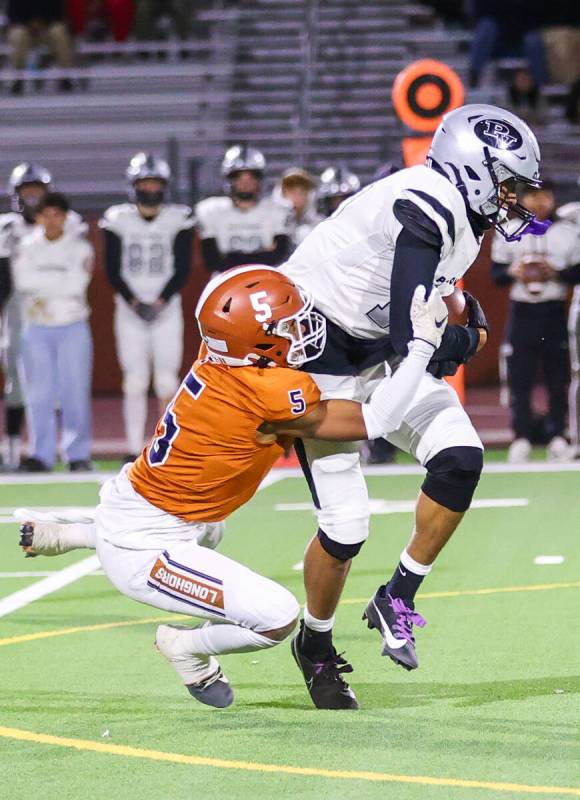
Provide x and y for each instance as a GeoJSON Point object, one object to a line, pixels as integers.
{"type": "Point", "coordinates": [394, 620]}
{"type": "Point", "coordinates": [26, 536]}
{"type": "Point", "coordinates": [324, 680]}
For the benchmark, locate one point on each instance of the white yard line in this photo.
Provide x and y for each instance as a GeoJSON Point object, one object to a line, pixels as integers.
{"type": "Point", "coordinates": [48, 585]}
{"type": "Point", "coordinates": [380, 506]}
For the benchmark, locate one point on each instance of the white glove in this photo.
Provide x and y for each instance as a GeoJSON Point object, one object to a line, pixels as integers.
{"type": "Point", "coordinates": [429, 317]}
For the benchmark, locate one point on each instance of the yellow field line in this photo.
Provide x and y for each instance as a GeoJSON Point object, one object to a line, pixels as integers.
{"type": "Point", "coordinates": [251, 766]}
{"type": "Point", "coordinates": [32, 637]}
{"type": "Point", "coordinates": [104, 626]}
{"type": "Point", "coordinates": [533, 587]}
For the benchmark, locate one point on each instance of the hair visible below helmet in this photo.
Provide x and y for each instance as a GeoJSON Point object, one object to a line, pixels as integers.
{"type": "Point", "coordinates": [141, 167]}
{"type": "Point", "coordinates": [335, 185]}
{"type": "Point", "coordinates": [24, 174]}
{"type": "Point", "coordinates": [481, 146]}
{"type": "Point", "coordinates": [255, 315]}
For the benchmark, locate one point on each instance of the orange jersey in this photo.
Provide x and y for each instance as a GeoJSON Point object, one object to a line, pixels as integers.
{"type": "Point", "coordinates": [204, 460]}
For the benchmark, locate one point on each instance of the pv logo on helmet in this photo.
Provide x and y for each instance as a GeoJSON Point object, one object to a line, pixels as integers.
{"type": "Point", "coordinates": [499, 134]}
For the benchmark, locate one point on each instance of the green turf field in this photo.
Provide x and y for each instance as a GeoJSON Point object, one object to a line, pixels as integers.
{"type": "Point", "coordinates": [493, 711]}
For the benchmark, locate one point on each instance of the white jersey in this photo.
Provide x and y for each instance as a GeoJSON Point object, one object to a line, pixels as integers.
{"type": "Point", "coordinates": [13, 227]}
{"type": "Point", "coordinates": [571, 213]}
{"type": "Point", "coordinates": [52, 277]}
{"type": "Point", "coordinates": [560, 246]}
{"type": "Point", "coordinates": [147, 261]}
{"type": "Point", "coordinates": [247, 231]}
{"type": "Point", "coordinates": [347, 260]}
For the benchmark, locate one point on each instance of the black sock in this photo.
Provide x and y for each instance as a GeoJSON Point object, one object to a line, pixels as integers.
{"type": "Point", "coordinates": [403, 584]}
{"type": "Point", "coordinates": [316, 645]}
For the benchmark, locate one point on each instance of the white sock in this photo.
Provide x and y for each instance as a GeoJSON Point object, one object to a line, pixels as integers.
{"type": "Point", "coordinates": [13, 451]}
{"type": "Point", "coordinates": [319, 625]}
{"type": "Point", "coordinates": [213, 639]}
{"type": "Point", "coordinates": [414, 566]}
{"type": "Point", "coordinates": [135, 408]}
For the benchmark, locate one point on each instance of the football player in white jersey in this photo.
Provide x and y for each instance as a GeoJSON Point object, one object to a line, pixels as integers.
{"type": "Point", "coordinates": [539, 271]}
{"type": "Point", "coordinates": [28, 186]}
{"type": "Point", "coordinates": [569, 215]}
{"type": "Point", "coordinates": [422, 225]}
{"type": "Point", "coordinates": [336, 185]}
{"type": "Point", "coordinates": [242, 227]}
{"type": "Point", "coordinates": [148, 247]}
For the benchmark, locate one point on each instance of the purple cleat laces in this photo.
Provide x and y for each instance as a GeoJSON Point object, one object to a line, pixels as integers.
{"type": "Point", "coordinates": [406, 618]}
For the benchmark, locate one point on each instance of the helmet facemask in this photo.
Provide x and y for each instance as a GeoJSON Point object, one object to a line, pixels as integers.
{"type": "Point", "coordinates": [496, 207]}
{"type": "Point", "coordinates": [306, 331]}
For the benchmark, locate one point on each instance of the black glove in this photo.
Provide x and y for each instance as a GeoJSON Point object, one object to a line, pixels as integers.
{"type": "Point", "coordinates": [146, 311]}
{"type": "Point", "coordinates": [443, 369]}
{"type": "Point", "coordinates": [475, 314]}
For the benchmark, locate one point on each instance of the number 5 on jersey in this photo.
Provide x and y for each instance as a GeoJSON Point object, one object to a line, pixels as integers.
{"type": "Point", "coordinates": [160, 447]}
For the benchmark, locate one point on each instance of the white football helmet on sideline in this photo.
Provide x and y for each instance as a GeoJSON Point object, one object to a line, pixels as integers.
{"type": "Point", "coordinates": [485, 151]}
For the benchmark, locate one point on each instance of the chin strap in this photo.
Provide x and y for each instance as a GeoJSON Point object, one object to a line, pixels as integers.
{"type": "Point", "coordinates": [535, 227]}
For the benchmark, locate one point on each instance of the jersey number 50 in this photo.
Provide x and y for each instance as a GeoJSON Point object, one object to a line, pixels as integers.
{"type": "Point", "coordinates": [160, 447]}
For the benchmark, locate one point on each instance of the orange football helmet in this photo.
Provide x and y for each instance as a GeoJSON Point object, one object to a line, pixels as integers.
{"type": "Point", "coordinates": [257, 315]}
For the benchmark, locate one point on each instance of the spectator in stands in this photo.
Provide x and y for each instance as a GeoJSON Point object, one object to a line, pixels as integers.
{"type": "Point", "coordinates": [538, 270]}
{"type": "Point", "coordinates": [243, 227]}
{"type": "Point", "coordinates": [562, 39]}
{"type": "Point", "coordinates": [510, 30]}
{"type": "Point", "coordinates": [149, 13]}
{"type": "Point", "coordinates": [52, 271]}
{"type": "Point", "coordinates": [297, 188]}
{"type": "Point", "coordinates": [96, 16]}
{"type": "Point", "coordinates": [38, 22]}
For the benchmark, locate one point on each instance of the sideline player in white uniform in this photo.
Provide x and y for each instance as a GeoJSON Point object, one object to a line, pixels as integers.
{"type": "Point", "coordinates": [148, 245]}
{"type": "Point", "coordinates": [539, 271]}
{"type": "Point", "coordinates": [570, 213]}
{"type": "Point", "coordinates": [336, 185]}
{"type": "Point", "coordinates": [242, 227]}
{"type": "Point", "coordinates": [422, 225]}
{"type": "Point", "coordinates": [211, 450]}
{"type": "Point", "coordinates": [297, 189]}
{"type": "Point", "coordinates": [28, 186]}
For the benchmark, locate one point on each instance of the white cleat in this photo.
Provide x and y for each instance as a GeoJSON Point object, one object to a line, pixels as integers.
{"type": "Point", "coordinates": [519, 451]}
{"type": "Point", "coordinates": [201, 675]}
{"type": "Point", "coordinates": [559, 450]}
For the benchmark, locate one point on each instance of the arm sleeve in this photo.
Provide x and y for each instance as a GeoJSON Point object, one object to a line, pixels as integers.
{"type": "Point", "coordinates": [389, 402]}
{"type": "Point", "coordinates": [458, 344]}
{"type": "Point", "coordinates": [415, 263]}
{"type": "Point", "coordinates": [213, 259]}
{"type": "Point", "coordinates": [182, 247]}
{"type": "Point", "coordinates": [5, 281]}
{"type": "Point", "coordinates": [499, 274]}
{"type": "Point", "coordinates": [113, 251]}
{"type": "Point", "coordinates": [275, 256]}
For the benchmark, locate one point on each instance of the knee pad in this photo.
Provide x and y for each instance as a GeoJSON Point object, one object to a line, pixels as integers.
{"type": "Point", "coordinates": [343, 503]}
{"type": "Point", "coordinates": [342, 552]}
{"type": "Point", "coordinates": [452, 477]}
{"type": "Point", "coordinates": [165, 385]}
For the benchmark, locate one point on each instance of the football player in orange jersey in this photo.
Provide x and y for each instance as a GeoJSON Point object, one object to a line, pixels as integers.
{"type": "Point", "coordinates": [158, 520]}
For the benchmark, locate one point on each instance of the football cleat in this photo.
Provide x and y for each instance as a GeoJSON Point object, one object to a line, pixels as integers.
{"type": "Point", "coordinates": [201, 675]}
{"type": "Point", "coordinates": [324, 680]}
{"type": "Point", "coordinates": [394, 620]}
